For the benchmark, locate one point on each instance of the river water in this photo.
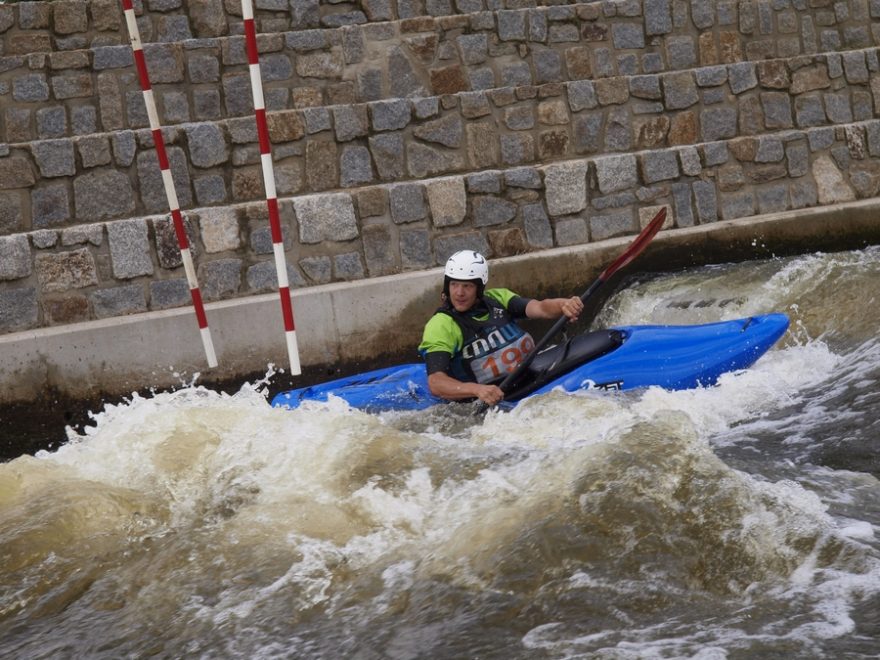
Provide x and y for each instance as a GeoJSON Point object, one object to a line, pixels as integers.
{"type": "Point", "coordinates": [736, 521]}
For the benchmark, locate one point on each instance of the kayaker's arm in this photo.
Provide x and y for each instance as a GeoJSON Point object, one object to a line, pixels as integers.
{"type": "Point", "coordinates": [445, 386]}
{"type": "Point", "coordinates": [553, 308]}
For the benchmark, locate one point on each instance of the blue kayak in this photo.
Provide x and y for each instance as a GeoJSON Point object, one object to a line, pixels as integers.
{"type": "Point", "coordinates": [674, 357]}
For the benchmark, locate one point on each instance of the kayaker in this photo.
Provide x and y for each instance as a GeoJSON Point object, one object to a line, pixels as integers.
{"type": "Point", "coordinates": [472, 341]}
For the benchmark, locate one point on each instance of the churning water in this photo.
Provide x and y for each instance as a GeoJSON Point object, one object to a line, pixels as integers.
{"type": "Point", "coordinates": [735, 521]}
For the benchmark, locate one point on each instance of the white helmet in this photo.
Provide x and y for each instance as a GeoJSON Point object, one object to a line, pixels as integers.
{"type": "Point", "coordinates": [467, 265]}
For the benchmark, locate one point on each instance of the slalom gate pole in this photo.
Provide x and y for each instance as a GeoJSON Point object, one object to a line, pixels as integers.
{"type": "Point", "coordinates": [168, 181]}
{"type": "Point", "coordinates": [247, 10]}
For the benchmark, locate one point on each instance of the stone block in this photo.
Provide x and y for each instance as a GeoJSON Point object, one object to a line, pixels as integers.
{"type": "Point", "coordinates": [18, 127]}
{"type": "Point", "coordinates": [507, 242]}
{"type": "Point", "coordinates": [738, 205]}
{"type": "Point", "coordinates": [445, 246]}
{"type": "Point", "coordinates": [449, 79]}
{"type": "Point", "coordinates": [488, 181]}
{"type": "Point", "coordinates": [718, 123]}
{"type": "Point", "coordinates": [322, 170]}
{"type": "Point", "coordinates": [571, 230]}
{"type": "Point", "coordinates": [517, 149]}
{"type": "Point", "coordinates": [261, 239]}
{"type": "Point", "coordinates": [447, 199]}
{"type": "Point", "coordinates": [19, 309]}
{"type": "Point", "coordinates": [355, 166]}
{"type": "Point", "coordinates": [490, 210]}
{"type": "Point", "coordinates": [741, 77]}
{"type": "Point", "coordinates": [348, 266]}
{"type": "Point", "coordinates": [44, 238]}
{"type": "Point", "coordinates": [82, 234]}
{"type": "Point", "coordinates": [777, 110]}
{"type": "Point", "coordinates": [318, 269]}
{"type": "Point", "coordinates": [83, 120]}
{"type": "Point", "coordinates": [552, 144]}
{"type": "Point", "coordinates": [831, 185]}
{"type": "Point", "coordinates": [603, 227]}
{"type": "Point", "coordinates": [62, 271]}
{"type": "Point", "coordinates": [566, 187]}
{"type": "Point", "coordinates": [11, 212]}
{"type": "Point", "coordinates": [129, 248]}
{"type": "Point", "coordinates": [167, 244]}
{"type": "Point", "coordinates": [30, 88]}
{"type": "Point", "coordinates": [118, 301]}
{"type": "Point", "coordinates": [219, 229]}
{"type": "Point", "coordinates": [72, 308]}
{"type": "Point", "coordinates": [659, 166]}
{"type": "Point", "coordinates": [402, 77]}
{"type": "Point", "coordinates": [615, 173]}
{"type": "Point", "coordinates": [16, 172]}
{"type": "Point", "coordinates": [627, 36]}
{"type": "Point", "coordinates": [681, 199]}
{"type": "Point", "coordinates": [679, 90]}
{"type": "Point", "coordinates": [371, 202]}
{"type": "Point", "coordinates": [102, 194]}
{"type": "Point", "coordinates": [407, 201]}
{"type": "Point", "coordinates": [112, 57]}
{"type": "Point", "coordinates": [72, 86]}
{"type": "Point", "coordinates": [15, 257]}
{"type": "Point", "coordinates": [447, 131]}
{"type": "Point", "coordinates": [387, 150]}
{"type": "Point", "coordinates": [539, 233]}
{"type": "Point", "coordinates": [390, 115]}
{"type": "Point", "coordinates": [475, 104]}
{"type": "Point", "coordinates": [210, 189]}
{"type": "Point", "coordinates": [263, 276]}
{"type": "Point", "coordinates": [54, 158]}
{"type": "Point", "coordinates": [51, 122]}
{"type": "Point", "coordinates": [325, 217]}
{"type": "Point", "coordinates": [165, 62]}
{"type": "Point", "coordinates": [219, 279]}
{"type": "Point", "coordinates": [548, 66]}
{"type": "Point", "coordinates": [165, 294]}
{"type": "Point", "coordinates": [350, 122]}
{"type": "Point", "coordinates": [50, 205]}
{"type": "Point", "coordinates": [482, 141]}
{"type": "Point", "coordinates": [207, 144]}
{"type": "Point", "coordinates": [415, 249]}
{"type": "Point", "coordinates": [378, 250]}
{"type": "Point", "coordinates": [94, 150]}
{"type": "Point", "coordinates": [706, 200]}
{"type": "Point", "coordinates": [658, 17]}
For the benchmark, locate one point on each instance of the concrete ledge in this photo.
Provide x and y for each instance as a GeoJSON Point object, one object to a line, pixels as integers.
{"type": "Point", "coordinates": [373, 320]}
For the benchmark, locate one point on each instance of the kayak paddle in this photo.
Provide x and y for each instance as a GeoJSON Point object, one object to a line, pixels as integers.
{"type": "Point", "coordinates": [635, 249]}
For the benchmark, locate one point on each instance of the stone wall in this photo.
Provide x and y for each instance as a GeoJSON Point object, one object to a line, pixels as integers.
{"type": "Point", "coordinates": [404, 131]}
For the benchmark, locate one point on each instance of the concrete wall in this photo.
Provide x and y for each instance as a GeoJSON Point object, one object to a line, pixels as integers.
{"type": "Point", "coordinates": [344, 327]}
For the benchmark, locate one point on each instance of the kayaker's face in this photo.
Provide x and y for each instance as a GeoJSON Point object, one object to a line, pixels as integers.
{"type": "Point", "coordinates": [462, 295]}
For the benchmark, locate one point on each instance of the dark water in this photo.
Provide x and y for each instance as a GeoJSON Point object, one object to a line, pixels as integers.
{"type": "Point", "coordinates": [730, 522]}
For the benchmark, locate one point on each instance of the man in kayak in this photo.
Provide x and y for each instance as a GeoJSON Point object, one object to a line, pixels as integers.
{"type": "Point", "coordinates": [473, 341]}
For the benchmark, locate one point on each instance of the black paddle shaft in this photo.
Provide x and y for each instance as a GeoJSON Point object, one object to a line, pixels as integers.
{"type": "Point", "coordinates": [635, 249]}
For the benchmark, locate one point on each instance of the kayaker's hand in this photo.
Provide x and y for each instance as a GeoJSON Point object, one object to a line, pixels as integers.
{"type": "Point", "coordinates": [489, 394]}
{"type": "Point", "coordinates": [572, 308]}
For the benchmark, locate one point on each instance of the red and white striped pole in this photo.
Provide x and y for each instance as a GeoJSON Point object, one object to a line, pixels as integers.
{"type": "Point", "coordinates": [247, 11]}
{"type": "Point", "coordinates": [168, 181]}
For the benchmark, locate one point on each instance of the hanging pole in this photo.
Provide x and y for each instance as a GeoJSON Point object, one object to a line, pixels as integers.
{"type": "Point", "coordinates": [170, 192]}
{"type": "Point", "coordinates": [247, 11]}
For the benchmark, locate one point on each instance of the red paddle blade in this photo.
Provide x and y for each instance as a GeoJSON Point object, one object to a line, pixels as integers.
{"type": "Point", "coordinates": [637, 246]}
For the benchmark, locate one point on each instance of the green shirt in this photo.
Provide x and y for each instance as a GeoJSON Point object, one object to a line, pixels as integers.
{"type": "Point", "coordinates": [443, 334]}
